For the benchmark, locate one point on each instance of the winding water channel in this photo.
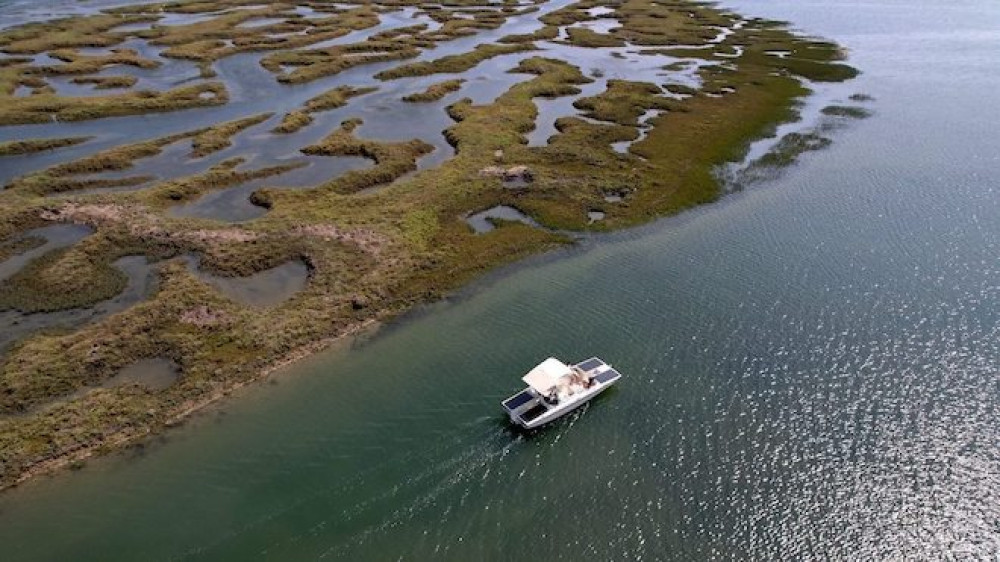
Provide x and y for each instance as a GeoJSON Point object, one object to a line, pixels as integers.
{"type": "Point", "coordinates": [810, 373]}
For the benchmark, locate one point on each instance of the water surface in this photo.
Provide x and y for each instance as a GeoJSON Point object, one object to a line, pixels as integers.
{"type": "Point", "coordinates": [810, 373]}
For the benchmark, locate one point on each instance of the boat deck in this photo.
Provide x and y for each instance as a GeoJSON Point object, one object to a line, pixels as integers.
{"type": "Point", "coordinates": [529, 405]}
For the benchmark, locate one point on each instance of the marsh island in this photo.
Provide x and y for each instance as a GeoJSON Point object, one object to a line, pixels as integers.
{"type": "Point", "coordinates": [196, 192]}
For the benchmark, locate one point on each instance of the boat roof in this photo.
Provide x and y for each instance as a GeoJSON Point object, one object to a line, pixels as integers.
{"type": "Point", "coordinates": [547, 374]}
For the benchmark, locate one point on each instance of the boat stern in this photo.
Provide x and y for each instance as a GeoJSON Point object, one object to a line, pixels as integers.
{"type": "Point", "coordinates": [520, 403]}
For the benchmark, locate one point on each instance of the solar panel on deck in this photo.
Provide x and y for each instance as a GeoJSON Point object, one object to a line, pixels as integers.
{"type": "Point", "coordinates": [590, 364]}
{"type": "Point", "coordinates": [518, 400]}
{"type": "Point", "coordinates": [606, 376]}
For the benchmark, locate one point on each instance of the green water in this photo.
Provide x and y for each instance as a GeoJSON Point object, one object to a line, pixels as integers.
{"type": "Point", "coordinates": [810, 373]}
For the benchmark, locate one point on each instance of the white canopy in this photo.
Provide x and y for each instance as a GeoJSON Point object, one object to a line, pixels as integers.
{"type": "Point", "coordinates": [547, 374]}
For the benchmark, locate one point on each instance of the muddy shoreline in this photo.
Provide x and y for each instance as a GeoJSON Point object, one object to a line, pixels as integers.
{"type": "Point", "coordinates": [121, 440]}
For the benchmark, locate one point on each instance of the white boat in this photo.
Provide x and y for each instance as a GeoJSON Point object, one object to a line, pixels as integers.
{"type": "Point", "coordinates": [555, 389]}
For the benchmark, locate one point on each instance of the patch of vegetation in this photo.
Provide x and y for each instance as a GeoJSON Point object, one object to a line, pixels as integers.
{"type": "Point", "coordinates": [220, 136]}
{"type": "Point", "coordinates": [18, 246]}
{"type": "Point", "coordinates": [59, 178]}
{"type": "Point", "coordinates": [436, 91]}
{"type": "Point", "coordinates": [669, 23]}
{"type": "Point", "coordinates": [83, 31]}
{"type": "Point", "coordinates": [222, 175]}
{"type": "Point", "coordinates": [224, 35]}
{"type": "Point", "coordinates": [77, 63]}
{"type": "Point", "coordinates": [210, 353]}
{"type": "Point", "coordinates": [788, 149]}
{"type": "Point", "coordinates": [624, 102]}
{"type": "Point", "coordinates": [337, 97]}
{"type": "Point", "coordinates": [545, 33]}
{"type": "Point", "coordinates": [846, 111]}
{"type": "Point", "coordinates": [783, 154]}
{"type": "Point", "coordinates": [61, 279]}
{"type": "Point", "coordinates": [818, 71]}
{"type": "Point", "coordinates": [331, 99]}
{"type": "Point", "coordinates": [454, 63]}
{"type": "Point", "coordinates": [29, 146]}
{"type": "Point", "coordinates": [685, 146]}
{"type": "Point", "coordinates": [292, 122]}
{"type": "Point", "coordinates": [567, 15]}
{"type": "Point", "coordinates": [48, 107]}
{"type": "Point", "coordinates": [309, 64]}
{"type": "Point", "coordinates": [107, 82]}
{"type": "Point", "coordinates": [412, 32]}
{"type": "Point", "coordinates": [392, 160]}
{"type": "Point", "coordinates": [454, 25]}
{"type": "Point", "coordinates": [681, 90]}
{"type": "Point", "coordinates": [584, 37]}
{"type": "Point", "coordinates": [206, 70]}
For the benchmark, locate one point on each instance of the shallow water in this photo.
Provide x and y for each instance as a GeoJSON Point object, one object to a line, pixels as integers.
{"type": "Point", "coordinates": [810, 373]}
{"type": "Point", "coordinates": [17, 12]}
{"type": "Point", "coordinates": [644, 127]}
{"type": "Point", "coordinates": [56, 236]}
{"type": "Point", "coordinates": [140, 284]}
{"type": "Point", "coordinates": [263, 289]}
{"type": "Point", "coordinates": [550, 110]}
{"type": "Point", "coordinates": [233, 204]}
{"type": "Point", "coordinates": [482, 221]}
{"type": "Point", "coordinates": [154, 374]}
{"type": "Point", "coordinates": [602, 25]}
